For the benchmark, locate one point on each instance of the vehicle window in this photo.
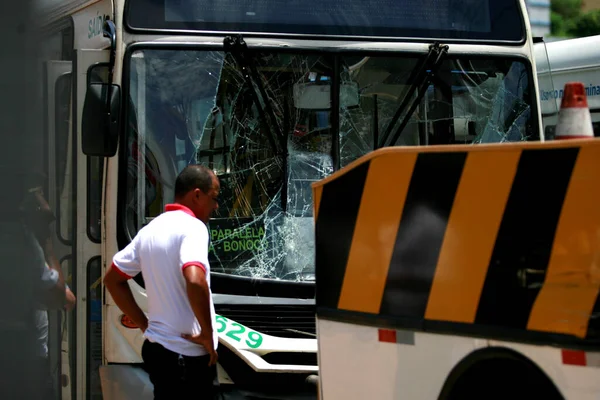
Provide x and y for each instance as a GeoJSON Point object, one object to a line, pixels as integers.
{"type": "Point", "coordinates": [268, 135]}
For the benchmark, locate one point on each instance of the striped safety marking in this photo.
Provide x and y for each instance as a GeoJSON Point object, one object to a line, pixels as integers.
{"type": "Point", "coordinates": [490, 235]}
{"type": "Point", "coordinates": [580, 358]}
{"type": "Point", "coordinates": [396, 336]}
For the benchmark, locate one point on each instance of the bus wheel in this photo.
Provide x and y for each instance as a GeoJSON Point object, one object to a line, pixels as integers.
{"type": "Point", "coordinates": [504, 377]}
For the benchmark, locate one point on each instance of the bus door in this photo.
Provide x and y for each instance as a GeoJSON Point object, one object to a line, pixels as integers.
{"type": "Point", "coordinates": [59, 167]}
{"type": "Point", "coordinates": [89, 183]}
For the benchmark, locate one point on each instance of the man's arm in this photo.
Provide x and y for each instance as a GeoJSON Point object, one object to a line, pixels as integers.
{"type": "Point", "coordinates": [52, 285]}
{"type": "Point", "coordinates": [71, 299]}
{"type": "Point", "coordinates": [199, 297]}
{"type": "Point", "coordinates": [53, 264]}
{"type": "Point", "coordinates": [116, 283]}
{"type": "Point", "coordinates": [193, 261]}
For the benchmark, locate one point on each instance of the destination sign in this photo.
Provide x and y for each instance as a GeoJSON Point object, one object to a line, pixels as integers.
{"type": "Point", "coordinates": [235, 238]}
{"type": "Point", "coordinates": [458, 19]}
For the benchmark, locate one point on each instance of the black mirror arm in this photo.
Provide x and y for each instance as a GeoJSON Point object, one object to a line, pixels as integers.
{"type": "Point", "coordinates": [110, 31]}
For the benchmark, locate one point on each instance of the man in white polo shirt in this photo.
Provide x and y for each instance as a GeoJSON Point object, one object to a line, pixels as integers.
{"type": "Point", "coordinates": [172, 254]}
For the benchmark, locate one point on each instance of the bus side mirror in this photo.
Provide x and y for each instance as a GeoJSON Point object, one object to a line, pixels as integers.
{"type": "Point", "coordinates": [101, 118]}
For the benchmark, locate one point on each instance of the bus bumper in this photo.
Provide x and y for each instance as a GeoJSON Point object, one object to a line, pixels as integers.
{"type": "Point", "coordinates": [128, 382]}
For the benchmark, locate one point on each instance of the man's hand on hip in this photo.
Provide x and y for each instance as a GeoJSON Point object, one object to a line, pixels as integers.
{"type": "Point", "coordinates": [206, 341]}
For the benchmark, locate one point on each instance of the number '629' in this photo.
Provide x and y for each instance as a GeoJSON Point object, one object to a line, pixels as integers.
{"type": "Point", "coordinates": [234, 330]}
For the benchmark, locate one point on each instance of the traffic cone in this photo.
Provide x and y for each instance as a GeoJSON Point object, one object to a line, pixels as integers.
{"type": "Point", "coordinates": [574, 119]}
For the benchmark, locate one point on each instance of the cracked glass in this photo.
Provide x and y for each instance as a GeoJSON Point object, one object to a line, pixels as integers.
{"type": "Point", "coordinates": [467, 101]}
{"type": "Point", "coordinates": [267, 133]}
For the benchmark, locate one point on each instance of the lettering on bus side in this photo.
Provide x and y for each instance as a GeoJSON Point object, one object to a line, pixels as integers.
{"type": "Point", "coordinates": [95, 25]}
{"type": "Point", "coordinates": [590, 91]}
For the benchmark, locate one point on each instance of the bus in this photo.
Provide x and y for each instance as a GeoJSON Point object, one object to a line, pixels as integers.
{"type": "Point", "coordinates": [569, 60]}
{"type": "Point", "coordinates": [272, 96]}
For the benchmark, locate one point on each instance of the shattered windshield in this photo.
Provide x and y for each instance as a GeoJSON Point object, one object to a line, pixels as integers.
{"type": "Point", "coordinates": [269, 135]}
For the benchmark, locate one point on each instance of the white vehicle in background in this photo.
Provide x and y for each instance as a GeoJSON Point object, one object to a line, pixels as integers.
{"type": "Point", "coordinates": [562, 61]}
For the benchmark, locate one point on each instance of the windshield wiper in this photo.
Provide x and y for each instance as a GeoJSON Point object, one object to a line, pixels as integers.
{"type": "Point", "coordinates": [421, 77]}
{"type": "Point", "coordinates": [237, 47]}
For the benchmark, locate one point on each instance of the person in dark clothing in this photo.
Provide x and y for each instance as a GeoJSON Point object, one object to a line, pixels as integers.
{"type": "Point", "coordinates": [52, 293]}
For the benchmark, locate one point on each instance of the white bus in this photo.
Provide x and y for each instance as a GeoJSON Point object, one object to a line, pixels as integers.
{"type": "Point", "coordinates": [272, 96]}
{"type": "Point", "coordinates": [570, 60]}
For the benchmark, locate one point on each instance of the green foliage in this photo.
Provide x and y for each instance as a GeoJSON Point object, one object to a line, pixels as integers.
{"type": "Point", "coordinates": [559, 26]}
{"type": "Point", "coordinates": [587, 24]}
{"type": "Point", "coordinates": [567, 20]}
{"type": "Point", "coordinates": [568, 9]}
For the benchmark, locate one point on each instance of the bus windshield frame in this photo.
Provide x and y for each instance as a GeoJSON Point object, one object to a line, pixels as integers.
{"type": "Point", "coordinates": [291, 200]}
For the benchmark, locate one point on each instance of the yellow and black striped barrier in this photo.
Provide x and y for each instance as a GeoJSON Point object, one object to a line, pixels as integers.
{"type": "Point", "coordinates": [500, 238]}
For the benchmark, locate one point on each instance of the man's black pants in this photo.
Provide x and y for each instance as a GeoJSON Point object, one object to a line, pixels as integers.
{"type": "Point", "coordinates": [46, 379]}
{"type": "Point", "coordinates": [178, 377]}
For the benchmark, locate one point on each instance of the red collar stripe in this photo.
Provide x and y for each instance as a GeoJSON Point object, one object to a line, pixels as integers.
{"type": "Point", "coordinates": [179, 207]}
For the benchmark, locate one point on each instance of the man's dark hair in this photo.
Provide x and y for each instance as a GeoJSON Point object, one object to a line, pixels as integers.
{"type": "Point", "coordinates": [192, 177]}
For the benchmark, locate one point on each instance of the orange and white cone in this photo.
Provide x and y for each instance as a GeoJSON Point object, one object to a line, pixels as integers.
{"type": "Point", "coordinates": [574, 119]}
